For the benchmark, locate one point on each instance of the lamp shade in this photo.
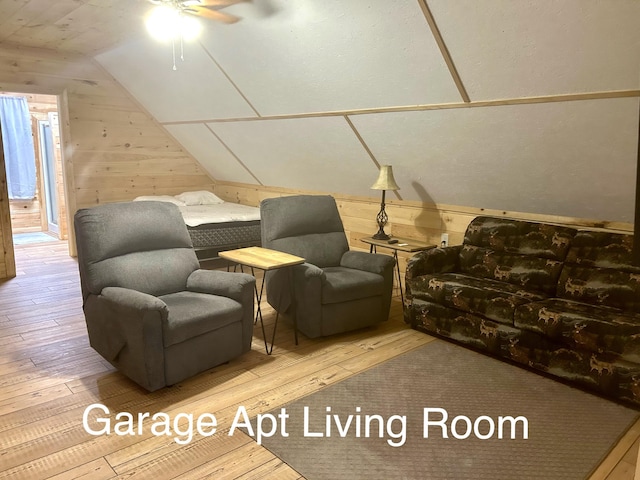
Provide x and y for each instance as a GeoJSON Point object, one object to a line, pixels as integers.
{"type": "Point", "coordinates": [385, 180]}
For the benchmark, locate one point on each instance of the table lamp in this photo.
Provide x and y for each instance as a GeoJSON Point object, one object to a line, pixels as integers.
{"type": "Point", "coordinates": [385, 182]}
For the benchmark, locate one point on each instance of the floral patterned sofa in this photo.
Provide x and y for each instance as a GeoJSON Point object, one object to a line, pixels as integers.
{"type": "Point", "coordinates": [560, 300]}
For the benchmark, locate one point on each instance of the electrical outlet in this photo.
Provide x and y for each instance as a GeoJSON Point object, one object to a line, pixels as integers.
{"type": "Point", "coordinates": [444, 240]}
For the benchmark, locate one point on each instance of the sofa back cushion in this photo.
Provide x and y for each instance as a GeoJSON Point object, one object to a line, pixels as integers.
{"type": "Point", "coordinates": [527, 254]}
{"type": "Point", "coordinates": [599, 270]}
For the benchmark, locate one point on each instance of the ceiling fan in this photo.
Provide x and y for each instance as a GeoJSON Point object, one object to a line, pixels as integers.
{"type": "Point", "coordinates": [174, 20]}
{"type": "Point", "coordinates": [209, 9]}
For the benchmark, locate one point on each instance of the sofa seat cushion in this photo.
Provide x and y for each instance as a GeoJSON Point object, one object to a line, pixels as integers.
{"type": "Point", "coordinates": [581, 326]}
{"type": "Point", "coordinates": [192, 314]}
{"type": "Point", "coordinates": [342, 284]}
{"type": "Point", "coordinates": [480, 296]}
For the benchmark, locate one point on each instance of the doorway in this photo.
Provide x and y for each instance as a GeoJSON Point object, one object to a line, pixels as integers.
{"type": "Point", "coordinates": [41, 218]}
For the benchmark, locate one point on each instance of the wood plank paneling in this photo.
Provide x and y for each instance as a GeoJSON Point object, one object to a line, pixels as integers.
{"type": "Point", "coordinates": [101, 126]}
{"type": "Point", "coordinates": [425, 222]}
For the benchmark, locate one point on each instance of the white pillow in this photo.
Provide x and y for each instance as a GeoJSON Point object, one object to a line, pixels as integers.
{"type": "Point", "coordinates": [159, 198]}
{"type": "Point", "coordinates": [200, 197]}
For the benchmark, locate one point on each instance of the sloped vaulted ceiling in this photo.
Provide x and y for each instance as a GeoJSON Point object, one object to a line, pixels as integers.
{"type": "Point", "coordinates": [519, 105]}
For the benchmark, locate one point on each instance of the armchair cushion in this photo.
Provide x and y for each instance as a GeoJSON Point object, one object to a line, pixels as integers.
{"type": "Point", "coordinates": [192, 314]}
{"type": "Point", "coordinates": [369, 262]}
{"type": "Point", "coordinates": [321, 249]}
{"type": "Point", "coordinates": [343, 284]}
{"type": "Point", "coordinates": [144, 246]}
{"type": "Point", "coordinates": [305, 225]}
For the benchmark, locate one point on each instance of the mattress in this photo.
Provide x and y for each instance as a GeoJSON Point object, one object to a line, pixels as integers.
{"type": "Point", "coordinates": [196, 215]}
{"type": "Point", "coordinates": [226, 234]}
{"type": "Point", "coordinates": [221, 227]}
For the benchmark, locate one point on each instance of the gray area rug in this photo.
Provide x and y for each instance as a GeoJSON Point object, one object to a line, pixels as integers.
{"type": "Point", "coordinates": [569, 431]}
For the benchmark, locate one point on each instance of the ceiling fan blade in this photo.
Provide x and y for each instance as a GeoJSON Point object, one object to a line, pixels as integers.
{"type": "Point", "coordinates": [221, 3]}
{"type": "Point", "coordinates": [211, 14]}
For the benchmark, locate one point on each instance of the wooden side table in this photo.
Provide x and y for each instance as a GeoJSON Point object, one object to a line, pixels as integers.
{"type": "Point", "coordinates": [402, 245]}
{"type": "Point", "coordinates": [264, 259]}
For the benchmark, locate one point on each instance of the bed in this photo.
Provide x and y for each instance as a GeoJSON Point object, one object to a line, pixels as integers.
{"type": "Point", "coordinates": [213, 224]}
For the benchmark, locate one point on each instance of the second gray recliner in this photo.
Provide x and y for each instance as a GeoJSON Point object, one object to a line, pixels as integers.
{"type": "Point", "coordinates": [335, 290]}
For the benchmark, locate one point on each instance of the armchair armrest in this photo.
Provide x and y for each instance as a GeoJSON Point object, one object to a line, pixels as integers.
{"type": "Point", "coordinates": [307, 270]}
{"type": "Point", "coordinates": [126, 327]}
{"type": "Point", "coordinates": [369, 262]}
{"type": "Point", "coordinates": [226, 284]}
{"type": "Point", "coordinates": [304, 280]}
{"type": "Point", "coordinates": [435, 260]}
{"type": "Point", "coordinates": [127, 299]}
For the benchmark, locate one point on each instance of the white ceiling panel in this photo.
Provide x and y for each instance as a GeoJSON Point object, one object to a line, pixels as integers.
{"type": "Point", "coordinates": [319, 154]}
{"type": "Point", "coordinates": [196, 90]}
{"type": "Point", "coordinates": [510, 49]}
{"type": "Point", "coordinates": [574, 158]}
{"type": "Point", "coordinates": [210, 153]}
{"type": "Point", "coordinates": [314, 56]}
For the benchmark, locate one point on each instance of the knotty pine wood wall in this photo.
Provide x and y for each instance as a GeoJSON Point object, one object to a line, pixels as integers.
{"type": "Point", "coordinates": [406, 218]}
{"type": "Point", "coordinates": [113, 150]}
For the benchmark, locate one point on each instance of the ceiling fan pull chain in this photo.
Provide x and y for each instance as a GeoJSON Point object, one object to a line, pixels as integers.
{"type": "Point", "coordinates": [173, 49]}
{"type": "Point", "coordinates": [182, 47]}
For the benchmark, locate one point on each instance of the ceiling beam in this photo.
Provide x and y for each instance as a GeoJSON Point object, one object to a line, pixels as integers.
{"type": "Point", "coordinates": [444, 50]}
{"type": "Point", "coordinates": [572, 97]}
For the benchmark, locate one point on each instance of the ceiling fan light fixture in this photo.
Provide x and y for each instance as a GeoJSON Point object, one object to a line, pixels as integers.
{"type": "Point", "coordinates": [190, 28]}
{"type": "Point", "coordinates": [165, 24]}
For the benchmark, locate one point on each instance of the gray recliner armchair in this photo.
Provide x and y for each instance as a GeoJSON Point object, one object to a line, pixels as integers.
{"type": "Point", "coordinates": [150, 310]}
{"type": "Point", "coordinates": [335, 290]}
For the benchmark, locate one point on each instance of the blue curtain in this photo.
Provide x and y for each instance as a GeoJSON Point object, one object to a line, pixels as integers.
{"type": "Point", "coordinates": [19, 153]}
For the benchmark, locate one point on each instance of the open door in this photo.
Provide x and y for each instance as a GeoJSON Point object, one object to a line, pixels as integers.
{"type": "Point", "coordinates": [48, 162]}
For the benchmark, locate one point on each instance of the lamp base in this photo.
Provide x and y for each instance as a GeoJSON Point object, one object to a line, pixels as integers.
{"type": "Point", "coordinates": [380, 235]}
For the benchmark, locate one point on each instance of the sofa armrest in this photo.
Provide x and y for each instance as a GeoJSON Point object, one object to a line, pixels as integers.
{"type": "Point", "coordinates": [225, 284]}
{"type": "Point", "coordinates": [369, 262]}
{"type": "Point", "coordinates": [435, 260]}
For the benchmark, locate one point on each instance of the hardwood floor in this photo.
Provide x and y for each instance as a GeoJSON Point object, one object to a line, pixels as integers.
{"type": "Point", "coordinates": [49, 375]}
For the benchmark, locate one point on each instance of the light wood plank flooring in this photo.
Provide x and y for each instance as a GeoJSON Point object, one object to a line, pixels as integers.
{"type": "Point", "coordinates": [49, 375]}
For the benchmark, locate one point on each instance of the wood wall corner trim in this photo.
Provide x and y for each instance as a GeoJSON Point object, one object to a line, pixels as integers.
{"type": "Point", "coordinates": [6, 233]}
{"type": "Point", "coordinates": [636, 224]}
{"type": "Point", "coordinates": [68, 173]}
